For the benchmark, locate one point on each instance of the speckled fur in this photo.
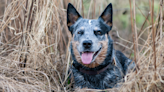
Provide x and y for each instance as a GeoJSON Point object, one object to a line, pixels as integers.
{"type": "Point", "coordinates": [107, 79]}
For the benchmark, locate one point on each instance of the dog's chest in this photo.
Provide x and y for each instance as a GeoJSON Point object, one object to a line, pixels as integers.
{"type": "Point", "coordinates": [107, 79]}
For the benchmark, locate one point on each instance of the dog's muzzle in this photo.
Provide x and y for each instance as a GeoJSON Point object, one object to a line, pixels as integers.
{"type": "Point", "coordinates": [88, 57]}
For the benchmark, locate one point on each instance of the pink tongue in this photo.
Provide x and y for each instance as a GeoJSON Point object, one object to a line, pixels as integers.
{"type": "Point", "coordinates": [86, 57]}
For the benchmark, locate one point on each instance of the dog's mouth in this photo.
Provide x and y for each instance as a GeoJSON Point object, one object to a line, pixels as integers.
{"type": "Point", "coordinates": [88, 57]}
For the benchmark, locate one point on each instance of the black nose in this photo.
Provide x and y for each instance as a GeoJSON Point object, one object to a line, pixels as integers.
{"type": "Point", "coordinates": [87, 44]}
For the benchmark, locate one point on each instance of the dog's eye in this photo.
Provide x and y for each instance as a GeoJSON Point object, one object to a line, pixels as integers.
{"type": "Point", "coordinates": [98, 32]}
{"type": "Point", "coordinates": [80, 32]}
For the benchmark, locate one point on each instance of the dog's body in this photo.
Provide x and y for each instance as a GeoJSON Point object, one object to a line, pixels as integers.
{"type": "Point", "coordinates": [95, 62]}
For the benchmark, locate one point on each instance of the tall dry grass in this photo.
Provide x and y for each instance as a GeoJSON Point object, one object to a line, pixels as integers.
{"type": "Point", "coordinates": [34, 46]}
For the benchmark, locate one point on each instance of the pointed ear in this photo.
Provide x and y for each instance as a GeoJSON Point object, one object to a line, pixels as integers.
{"type": "Point", "coordinates": [72, 15]}
{"type": "Point", "coordinates": [107, 15]}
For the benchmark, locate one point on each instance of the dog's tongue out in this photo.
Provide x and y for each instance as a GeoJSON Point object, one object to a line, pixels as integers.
{"type": "Point", "coordinates": [86, 57]}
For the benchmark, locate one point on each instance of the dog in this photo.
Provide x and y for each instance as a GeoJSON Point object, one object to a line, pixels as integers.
{"type": "Point", "coordinates": [96, 64]}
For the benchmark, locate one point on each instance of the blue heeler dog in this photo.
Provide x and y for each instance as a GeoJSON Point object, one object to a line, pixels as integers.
{"type": "Point", "coordinates": [96, 64]}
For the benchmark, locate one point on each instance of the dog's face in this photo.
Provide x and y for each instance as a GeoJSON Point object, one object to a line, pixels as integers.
{"type": "Point", "coordinates": [90, 37]}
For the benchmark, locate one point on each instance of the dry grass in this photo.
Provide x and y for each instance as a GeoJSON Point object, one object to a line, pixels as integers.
{"type": "Point", "coordinates": [34, 47]}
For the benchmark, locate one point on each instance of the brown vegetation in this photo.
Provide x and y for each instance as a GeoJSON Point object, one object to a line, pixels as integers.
{"type": "Point", "coordinates": [34, 45]}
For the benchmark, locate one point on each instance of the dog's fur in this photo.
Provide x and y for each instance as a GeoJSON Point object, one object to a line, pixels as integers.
{"type": "Point", "coordinates": [92, 36]}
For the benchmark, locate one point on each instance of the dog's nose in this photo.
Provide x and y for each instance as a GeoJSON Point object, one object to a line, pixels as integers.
{"type": "Point", "coordinates": [87, 44]}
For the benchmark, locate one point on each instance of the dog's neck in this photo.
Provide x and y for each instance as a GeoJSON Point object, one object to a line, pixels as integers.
{"type": "Point", "coordinates": [94, 72]}
{"type": "Point", "coordinates": [97, 71]}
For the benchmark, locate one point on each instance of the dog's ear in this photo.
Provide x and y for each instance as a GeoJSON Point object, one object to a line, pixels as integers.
{"type": "Point", "coordinates": [72, 15]}
{"type": "Point", "coordinates": [107, 15]}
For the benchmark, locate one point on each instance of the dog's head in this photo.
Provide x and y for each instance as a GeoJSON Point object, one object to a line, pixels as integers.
{"type": "Point", "coordinates": [90, 37]}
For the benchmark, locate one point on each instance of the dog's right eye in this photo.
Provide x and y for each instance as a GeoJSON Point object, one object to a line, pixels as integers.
{"type": "Point", "coordinates": [80, 32]}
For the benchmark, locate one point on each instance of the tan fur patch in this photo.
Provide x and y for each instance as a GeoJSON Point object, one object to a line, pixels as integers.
{"type": "Point", "coordinates": [106, 19]}
{"type": "Point", "coordinates": [73, 19]}
{"type": "Point", "coordinates": [114, 61]}
{"type": "Point", "coordinates": [95, 28]}
{"type": "Point", "coordinates": [110, 24]}
{"type": "Point", "coordinates": [82, 28]}
{"type": "Point", "coordinates": [99, 59]}
{"type": "Point", "coordinates": [76, 52]}
{"type": "Point", "coordinates": [69, 24]}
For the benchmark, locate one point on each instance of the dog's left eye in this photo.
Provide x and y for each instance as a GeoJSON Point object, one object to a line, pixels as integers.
{"type": "Point", "coordinates": [98, 32]}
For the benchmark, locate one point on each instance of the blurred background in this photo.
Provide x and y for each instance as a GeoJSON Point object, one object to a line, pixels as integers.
{"type": "Point", "coordinates": [34, 43]}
